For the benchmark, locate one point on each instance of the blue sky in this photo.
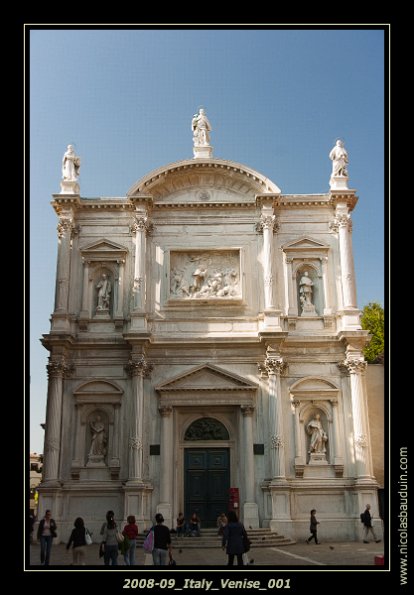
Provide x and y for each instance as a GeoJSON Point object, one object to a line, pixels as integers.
{"type": "Point", "coordinates": [277, 101]}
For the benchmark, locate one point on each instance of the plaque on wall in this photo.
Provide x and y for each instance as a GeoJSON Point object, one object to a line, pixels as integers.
{"type": "Point", "coordinates": [205, 275]}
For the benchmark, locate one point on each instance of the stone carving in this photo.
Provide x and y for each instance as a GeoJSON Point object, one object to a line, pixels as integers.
{"type": "Point", "coordinates": [201, 129]}
{"type": "Point", "coordinates": [276, 441]}
{"type": "Point", "coordinates": [98, 443]}
{"type": "Point", "coordinates": [318, 435]}
{"type": "Point", "coordinates": [353, 365]}
{"type": "Point", "coordinates": [339, 158]}
{"type": "Point", "coordinates": [341, 221]}
{"type": "Point", "coordinates": [139, 367]}
{"type": "Point", "coordinates": [361, 441]}
{"type": "Point", "coordinates": [70, 165]}
{"type": "Point", "coordinates": [205, 275]}
{"type": "Point", "coordinates": [305, 295]}
{"type": "Point", "coordinates": [206, 428]}
{"type": "Point", "coordinates": [104, 293]}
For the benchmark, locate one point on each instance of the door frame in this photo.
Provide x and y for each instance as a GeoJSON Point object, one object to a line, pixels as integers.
{"type": "Point", "coordinates": [183, 418]}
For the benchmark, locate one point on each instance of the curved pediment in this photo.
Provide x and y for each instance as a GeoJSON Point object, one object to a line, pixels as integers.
{"type": "Point", "coordinates": [312, 383]}
{"type": "Point", "coordinates": [227, 176]}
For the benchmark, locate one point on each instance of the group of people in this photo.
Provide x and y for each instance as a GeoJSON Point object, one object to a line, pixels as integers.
{"type": "Point", "coordinates": [232, 532]}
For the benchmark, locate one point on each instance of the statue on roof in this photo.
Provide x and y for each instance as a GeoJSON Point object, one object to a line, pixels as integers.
{"type": "Point", "coordinates": [201, 128]}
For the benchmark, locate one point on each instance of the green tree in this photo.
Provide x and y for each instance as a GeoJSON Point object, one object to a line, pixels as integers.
{"type": "Point", "coordinates": [373, 321]}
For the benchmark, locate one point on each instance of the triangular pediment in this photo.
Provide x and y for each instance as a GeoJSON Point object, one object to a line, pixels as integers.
{"type": "Point", "coordinates": [103, 245]}
{"type": "Point", "coordinates": [304, 243]}
{"type": "Point", "coordinates": [207, 377]}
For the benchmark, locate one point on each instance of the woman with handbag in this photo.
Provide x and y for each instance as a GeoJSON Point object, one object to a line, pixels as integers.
{"type": "Point", "coordinates": [233, 539]}
{"type": "Point", "coordinates": [78, 538]}
{"type": "Point", "coordinates": [110, 539]}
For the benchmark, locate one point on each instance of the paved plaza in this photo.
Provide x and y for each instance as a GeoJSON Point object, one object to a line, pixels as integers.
{"type": "Point", "coordinates": [299, 554]}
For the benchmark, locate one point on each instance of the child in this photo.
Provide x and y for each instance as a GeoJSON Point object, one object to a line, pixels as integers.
{"type": "Point", "coordinates": [313, 527]}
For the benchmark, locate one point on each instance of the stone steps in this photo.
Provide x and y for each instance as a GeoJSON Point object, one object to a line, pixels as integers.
{"type": "Point", "coordinates": [210, 539]}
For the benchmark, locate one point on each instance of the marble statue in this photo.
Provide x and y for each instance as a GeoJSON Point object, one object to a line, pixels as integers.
{"type": "Point", "coordinates": [339, 158]}
{"type": "Point", "coordinates": [201, 129]}
{"type": "Point", "coordinates": [318, 435]}
{"type": "Point", "coordinates": [70, 165]}
{"type": "Point", "coordinates": [104, 293]}
{"type": "Point", "coordinates": [98, 442]}
{"type": "Point", "coordinates": [305, 290]}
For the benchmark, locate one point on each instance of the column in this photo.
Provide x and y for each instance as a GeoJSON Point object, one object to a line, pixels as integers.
{"type": "Point", "coordinates": [120, 303]}
{"type": "Point", "coordinates": [275, 365]}
{"type": "Point", "coordinates": [267, 222]}
{"type": "Point", "coordinates": [250, 508]}
{"type": "Point", "coordinates": [355, 366]}
{"type": "Point", "coordinates": [166, 466]}
{"type": "Point", "coordinates": [141, 226]}
{"type": "Point", "coordinates": [63, 264]}
{"type": "Point", "coordinates": [138, 370]}
{"type": "Point", "coordinates": [337, 444]}
{"type": "Point", "coordinates": [85, 289]}
{"type": "Point", "coordinates": [327, 305]}
{"type": "Point", "coordinates": [56, 371]}
{"type": "Point", "coordinates": [292, 299]}
{"type": "Point", "coordinates": [343, 224]}
{"type": "Point", "coordinates": [248, 455]}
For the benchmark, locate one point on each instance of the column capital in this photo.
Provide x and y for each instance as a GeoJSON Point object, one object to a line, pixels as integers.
{"type": "Point", "coordinates": [59, 368]}
{"type": "Point", "coordinates": [341, 220]}
{"type": "Point", "coordinates": [64, 225]}
{"type": "Point", "coordinates": [142, 223]}
{"type": "Point", "coordinates": [274, 364]}
{"type": "Point", "coordinates": [139, 367]}
{"type": "Point", "coordinates": [353, 365]}
{"type": "Point", "coordinates": [247, 410]}
{"type": "Point", "coordinates": [165, 411]}
{"type": "Point", "coordinates": [269, 222]}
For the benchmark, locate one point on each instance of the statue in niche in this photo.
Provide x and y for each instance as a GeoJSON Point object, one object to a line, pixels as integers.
{"type": "Point", "coordinates": [305, 295]}
{"type": "Point", "coordinates": [70, 165]}
{"type": "Point", "coordinates": [104, 293]}
{"type": "Point", "coordinates": [339, 158]}
{"type": "Point", "coordinates": [317, 434]}
{"type": "Point", "coordinates": [98, 443]}
{"type": "Point", "coordinates": [201, 129]}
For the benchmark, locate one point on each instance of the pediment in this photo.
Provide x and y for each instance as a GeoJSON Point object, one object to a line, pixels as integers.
{"type": "Point", "coordinates": [305, 243]}
{"type": "Point", "coordinates": [98, 386]}
{"type": "Point", "coordinates": [313, 384]}
{"type": "Point", "coordinates": [207, 378]}
{"type": "Point", "coordinates": [103, 245]}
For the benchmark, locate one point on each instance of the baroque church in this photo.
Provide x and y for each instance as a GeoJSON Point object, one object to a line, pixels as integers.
{"type": "Point", "coordinates": [206, 352]}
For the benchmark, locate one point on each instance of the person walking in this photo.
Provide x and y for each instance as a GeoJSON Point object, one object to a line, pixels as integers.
{"type": "Point", "coordinates": [45, 534]}
{"type": "Point", "coordinates": [232, 540]}
{"type": "Point", "coordinates": [109, 539]}
{"type": "Point", "coordinates": [162, 542]}
{"type": "Point", "coordinates": [78, 538]}
{"type": "Point", "coordinates": [131, 532]}
{"type": "Point", "coordinates": [313, 527]}
{"type": "Point", "coordinates": [366, 518]}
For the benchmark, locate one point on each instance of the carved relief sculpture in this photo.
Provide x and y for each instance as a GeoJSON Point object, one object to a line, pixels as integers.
{"type": "Point", "coordinates": [202, 275]}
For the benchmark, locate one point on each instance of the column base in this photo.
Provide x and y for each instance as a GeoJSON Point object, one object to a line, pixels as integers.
{"type": "Point", "coordinates": [250, 515]}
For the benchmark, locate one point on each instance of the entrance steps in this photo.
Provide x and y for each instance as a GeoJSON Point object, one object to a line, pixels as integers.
{"type": "Point", "coordinates": [209, 538]}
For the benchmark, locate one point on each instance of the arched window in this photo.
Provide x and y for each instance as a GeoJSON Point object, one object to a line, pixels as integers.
{"type": "Point", "coordinates": [206, 428]}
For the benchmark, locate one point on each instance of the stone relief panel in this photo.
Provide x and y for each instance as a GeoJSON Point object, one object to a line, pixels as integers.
{"type": "Point", "coordinates": [205, 274]}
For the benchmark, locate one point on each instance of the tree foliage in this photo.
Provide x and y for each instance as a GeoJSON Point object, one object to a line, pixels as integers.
{"type": "Point", "coordinates": [373, 321]}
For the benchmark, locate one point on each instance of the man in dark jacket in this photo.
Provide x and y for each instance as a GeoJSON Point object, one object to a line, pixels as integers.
{"type": "Point", "coordinates": [366, 518]}
{"type": "Point", "coordinates": [45, 534]}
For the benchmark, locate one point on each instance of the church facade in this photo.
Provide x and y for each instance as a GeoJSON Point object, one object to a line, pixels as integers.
{"type": "Point", "coordinates": [206, 352]}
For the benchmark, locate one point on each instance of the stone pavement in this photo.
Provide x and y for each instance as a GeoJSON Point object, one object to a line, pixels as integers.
{"type": "Point", "coordinates": [299, 554]}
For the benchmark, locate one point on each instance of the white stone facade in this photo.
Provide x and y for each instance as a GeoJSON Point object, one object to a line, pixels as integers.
{"type": "Point", "coordinates": [204, 321]}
